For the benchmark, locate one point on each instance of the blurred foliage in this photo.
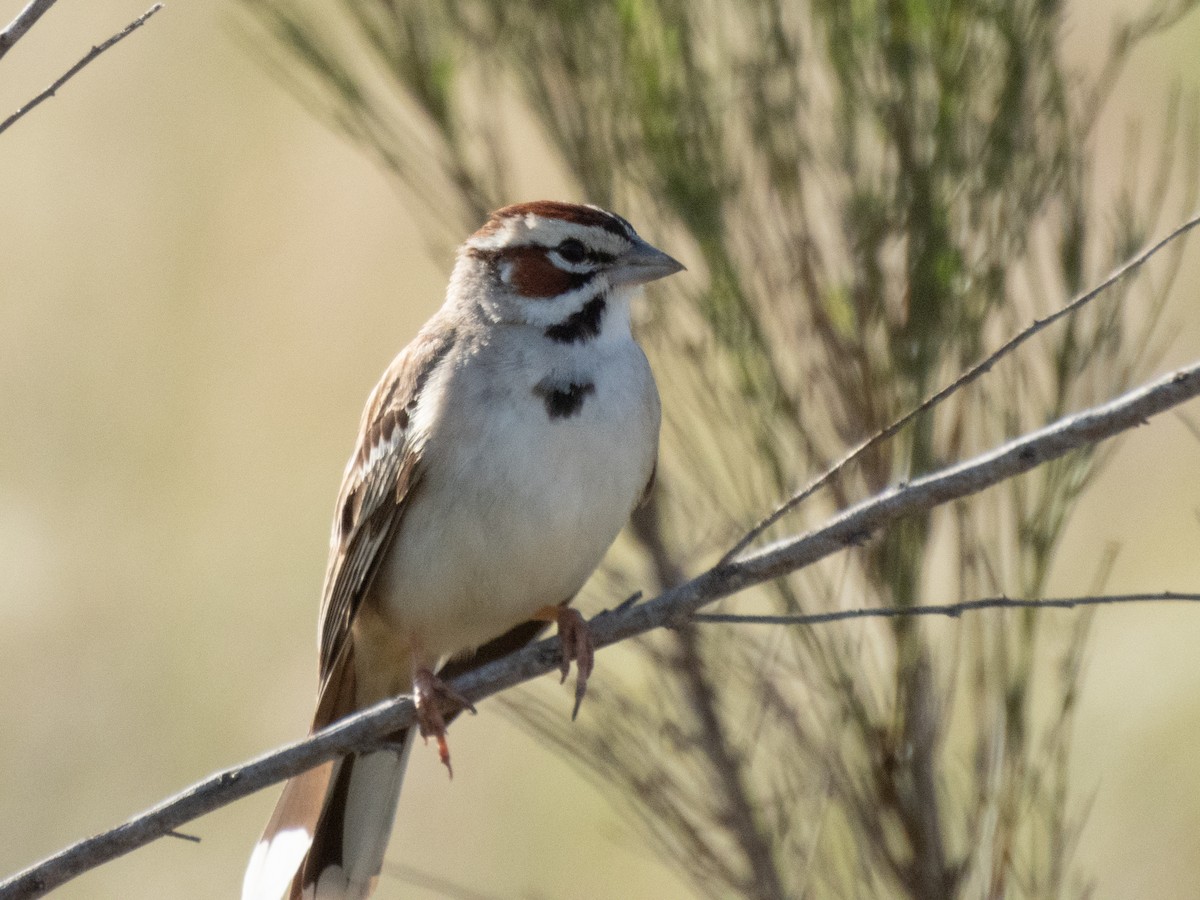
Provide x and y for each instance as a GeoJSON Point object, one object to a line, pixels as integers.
{"type": "Point", "coordinates": [869, 195]}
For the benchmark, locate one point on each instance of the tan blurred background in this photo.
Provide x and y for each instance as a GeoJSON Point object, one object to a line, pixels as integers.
{"type": "Point", "coordinates": [198, 285]}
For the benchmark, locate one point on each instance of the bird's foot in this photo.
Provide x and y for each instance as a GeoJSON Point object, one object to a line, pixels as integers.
{"type": "Point", "coordinates": [434, 699]}
{"type": "Point", "coordinates": [576, 641]}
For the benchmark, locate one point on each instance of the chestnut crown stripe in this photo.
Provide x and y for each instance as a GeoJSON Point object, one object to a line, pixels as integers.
{"type": "Point", "coordinates": [566, 212]}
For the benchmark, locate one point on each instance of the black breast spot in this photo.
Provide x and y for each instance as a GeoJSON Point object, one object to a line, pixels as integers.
{"type": "Point", "coordinates": [564, 400]}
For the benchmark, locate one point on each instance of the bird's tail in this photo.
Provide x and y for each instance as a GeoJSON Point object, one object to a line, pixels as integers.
{"type": "Point", "coordinates": [330, 829]}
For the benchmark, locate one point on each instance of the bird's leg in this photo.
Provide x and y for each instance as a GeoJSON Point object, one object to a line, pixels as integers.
{"type": "Point", "coordinates": [576, 642]}
{"type": "Point", "coordinates": [433, 698]}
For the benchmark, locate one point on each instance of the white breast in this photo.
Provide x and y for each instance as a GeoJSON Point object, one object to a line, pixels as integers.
{"type": "Point", "coordinates": [514, 509]}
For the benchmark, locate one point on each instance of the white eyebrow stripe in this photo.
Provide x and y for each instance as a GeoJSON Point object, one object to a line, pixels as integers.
{"type": "Point", "coordinates": [546, 232]}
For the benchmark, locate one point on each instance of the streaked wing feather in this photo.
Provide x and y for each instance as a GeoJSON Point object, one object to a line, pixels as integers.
{"type": "Point", "coordinates": [379, 479]}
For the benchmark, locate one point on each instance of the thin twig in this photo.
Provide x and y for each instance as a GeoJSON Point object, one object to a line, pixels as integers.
{"type": "Point", "coordinates": [962, 381]}
{"type": "Point", "coordinates": [74, 70]}
{"type": "Point", "coordinates": [953, 610]}
{"type": "Point", "coordinates": [22, 23]}
{"type": "Point", "coordinates": [671, 608]}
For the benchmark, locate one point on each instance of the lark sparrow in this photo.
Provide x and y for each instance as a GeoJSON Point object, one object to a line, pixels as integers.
{"type": "Point", "coordinates": [497, 459]}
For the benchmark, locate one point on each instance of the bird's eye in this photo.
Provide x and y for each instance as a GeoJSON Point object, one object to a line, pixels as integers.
{"type": "Point", "coordinates": [572, 251]}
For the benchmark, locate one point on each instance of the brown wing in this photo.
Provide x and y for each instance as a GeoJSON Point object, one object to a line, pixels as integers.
{"type": "Point", "coordinates": [379, 479]}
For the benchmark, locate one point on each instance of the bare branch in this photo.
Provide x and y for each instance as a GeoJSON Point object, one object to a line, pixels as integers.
{"type": "Point", "coordinates": [671, 608]}
{"type": "Point", "coordinates": [953, 610]}
{"type": "Point", "coordinates": [74, 70]}
{"type": "Point", "coordinates": [25, 20]}
{"type": "Point", "coordinates": [962, 381]}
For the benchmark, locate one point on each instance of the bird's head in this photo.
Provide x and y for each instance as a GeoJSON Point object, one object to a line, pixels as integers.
{"type": "Point", "coordinates": [542, 263]}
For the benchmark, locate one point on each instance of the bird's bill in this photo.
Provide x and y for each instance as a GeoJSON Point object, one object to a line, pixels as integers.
{"type": "Point", "coordinates": [644, 263]}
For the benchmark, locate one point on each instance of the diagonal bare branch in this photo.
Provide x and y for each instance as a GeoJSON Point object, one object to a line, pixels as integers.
{"type": "Point", "coordinates": [669, 609]}
{"type": "Point", "coordinates": [26, 19]}
{"type": "Point", "coordinates": [75, 69]}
